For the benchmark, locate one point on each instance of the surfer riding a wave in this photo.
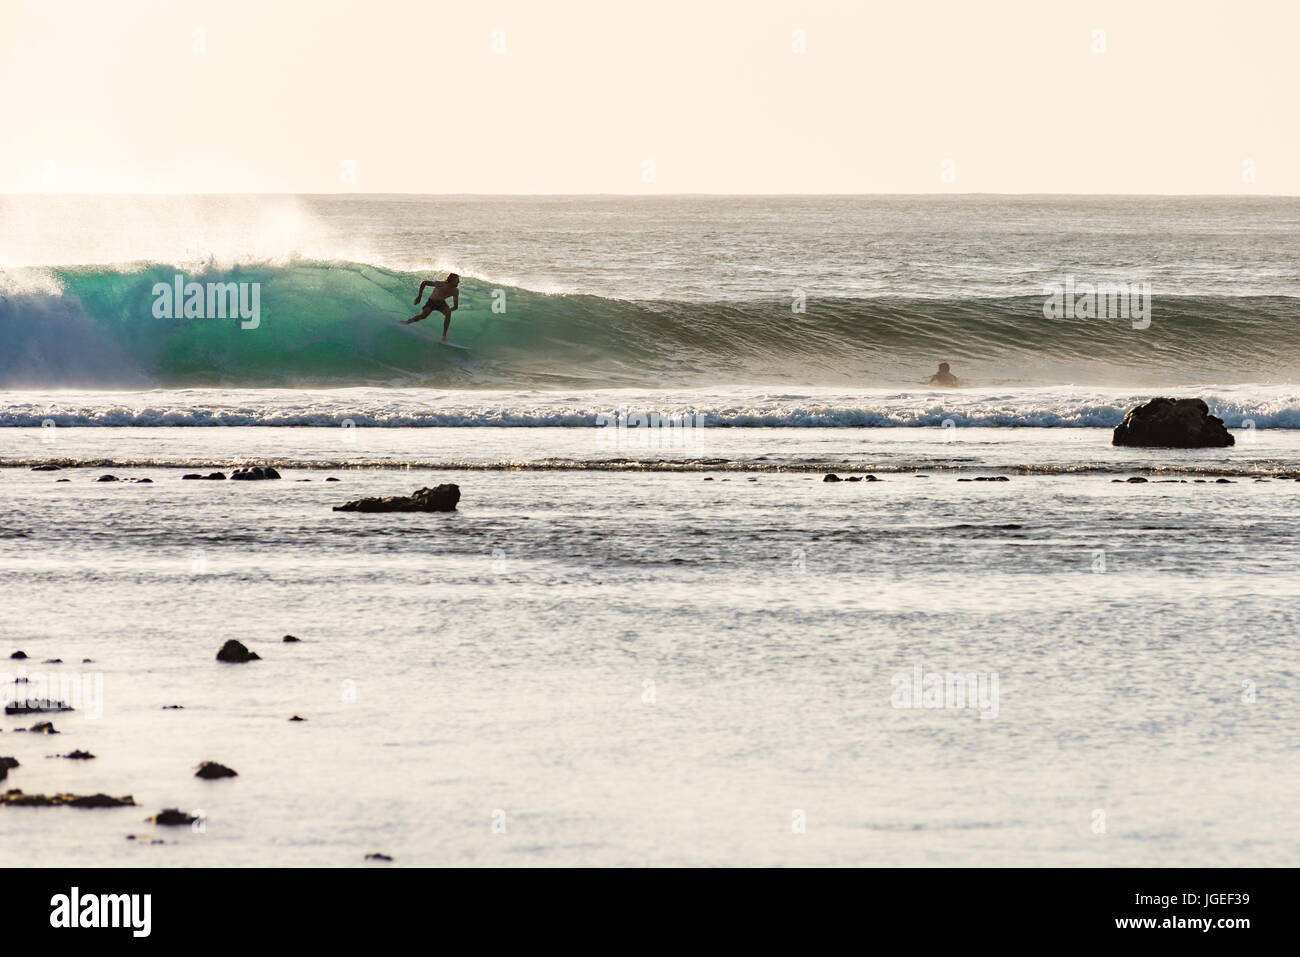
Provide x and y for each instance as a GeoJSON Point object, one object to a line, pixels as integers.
{"type": "Point", "coordinates": [442, 291]}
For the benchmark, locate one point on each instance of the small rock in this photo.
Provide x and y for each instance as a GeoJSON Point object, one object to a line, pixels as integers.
{"type": "Point", "coordinates": [1224, 482]}
{"type": "Point", "coordinates": [211, 770]}
{"type": "Point", "coordinates": [47, 468]}
{"type": "Point", "coordinates": [831, 477]}
{"type": "Point", "coordinates": [331, 478]}
{"type": "Point", "coordinates": [1136, 480]}
{"type": "Point", "coordinates": [290, 639]}
{"type": "Point", "coordinates": [107, 478]}
{"type": "Point", "coordinates": [173, 707]}
{"type": "Point", "coordinates": [77, 755]}
{"type": "Point", "coordinates": [52, 661]}
{"type": "Point", "coordinates": [236, 652]}
{"type": "Point", "coordinates": [297, 718]}
{"type": "Point", "coordinates": [378, 857]}
{"type": "Point", "coordinates": [171, 817]}
{"type": "Point", "coordinates": [19, 655]}
{"type": "Point", "coordinates": [186, 478]}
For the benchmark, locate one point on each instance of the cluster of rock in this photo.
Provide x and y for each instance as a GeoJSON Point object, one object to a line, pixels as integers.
{"type": "Point", "coordinates": [440, 499]}
{"type": "Point", "coordinates": [251, 473]}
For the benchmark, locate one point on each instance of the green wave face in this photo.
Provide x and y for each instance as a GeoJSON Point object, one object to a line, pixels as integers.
{"type": "Point", "coordinates": [338, 324]}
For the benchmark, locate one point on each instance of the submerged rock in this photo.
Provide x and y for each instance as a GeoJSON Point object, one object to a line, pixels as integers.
{"type": "Point", "coordinates": [440, 499]}
{"type": "Point", "coordinates": [16, 798]}
{"type": "Point", "coordinates": [107, 478]}
{"type": "Point", "coordinates": [37, 706]}
{"type": "Point", "coordinates": [47, 468]}
{"type": "Point", "coordinates": [41, 727]}
{"type": "Point", "coordinates": [831, 477]}
{"type": "Point", "coordinates": [77, 755]}
{"type": "Point", "coordinates": [378, 857]}
{"type": "Point", "coordinates": [172, 817]}
{"type": "Point", "coordinates": [237, 652]}
{"type": "Point", "coordinates": [254, 472]}
{"type": "Point", "coordinates": [1172, 423]}
{"type": "Point", "coordinates": [211, 770]}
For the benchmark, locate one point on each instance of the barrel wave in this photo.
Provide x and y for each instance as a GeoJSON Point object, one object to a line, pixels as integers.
{"type": "Point", "coordinates": [325, 324]}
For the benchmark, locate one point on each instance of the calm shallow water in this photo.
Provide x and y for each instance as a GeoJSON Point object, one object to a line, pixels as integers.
{"type": "Point", "coordinates": [648, 668]}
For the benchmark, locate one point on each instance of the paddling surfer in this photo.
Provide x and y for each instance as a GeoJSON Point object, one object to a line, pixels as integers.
{"type": "Point", "coordinates": [943, 378]}
{"type": "Point", "coordinates": [443, 290]}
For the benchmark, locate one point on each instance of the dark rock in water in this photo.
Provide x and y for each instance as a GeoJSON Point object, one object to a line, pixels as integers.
{"type": "Point", "coordinates": [217, 476]}
{"type": "Point", "coordinates": [87, 661]}
{"type": "Point", "coordinates": [62, 480]}
{"type": "Point", "coordinates": [1174, 424]}
{"type": "Point", "coordinates": [107, 478]}
{"type": "Point", "coordinates": [290, 639]}
{"type": "Point", "coordinates": [210, 770]}
{"type": "Point", "coordinates": [5, 765]}
{"type": "Point", "coordinates": [870, 478]}
{"type": "Point", "coordinates": [331, 478]}
{"type": "Point", "coordinates": [37, 706]}
{"type": "Point", "coordinates": [19, 655]}
{"type": "Point", "coordinates": [831, 477]}
{"type": "Point", "coordinates": [78, 755]}
{"type": "Point", "coordinates": [297, 718]}
{"type": "Point", "coordinates": [172, 817]}
{"type": "Point", "coordinates": [52, 661]}
{"type": "Point", "coordinates": [1136, 479]}
{"type": "Point", "coordinates": [236, 652]}
{"type": "Point", "coordinates": [854, 478]}
{"type": "Point", "coordinates": [440, 499]}
{"type": "Point", "coordinates": [42, 727]}
{"type": "Point", "coordinates": [143, 481]}
{"type": "Point", "coordinates": [1224, 482]}
{"type": "Point", "coordinates": [709, 478]}
{"type": "Point", "coordinates": [192, 475]}
{"type": "Point", "coordinates": [47, 468]}
{"type": "Point", "coordinates": [378, 857]}
{"type": "Point", "coordinates": [211, 475]}
{"type": "Point", "coordinates": [173, 707]}
{"type": "Point", "coordinates": [254, 472]}
{"type": "Point", "coordinates": [16, 798]}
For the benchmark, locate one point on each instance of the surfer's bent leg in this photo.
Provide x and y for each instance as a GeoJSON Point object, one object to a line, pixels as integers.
{"type": "Point", "coordinates": [424, 315]}
{"type": "Point", "coordinates": [446, 323]}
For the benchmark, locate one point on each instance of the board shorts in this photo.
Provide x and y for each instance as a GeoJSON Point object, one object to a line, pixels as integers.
{"type": "Point", "coordinates": [439, 305]}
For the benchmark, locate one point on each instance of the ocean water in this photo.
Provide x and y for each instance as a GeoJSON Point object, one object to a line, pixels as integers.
{"type": "Point", "coordinates": [651, 634]}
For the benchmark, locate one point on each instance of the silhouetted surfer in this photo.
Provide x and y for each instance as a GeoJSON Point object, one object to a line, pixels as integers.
{"type": "Point", "coordinates": [943, 377]}
{"type": "Point", "coordinates": [442, 291]}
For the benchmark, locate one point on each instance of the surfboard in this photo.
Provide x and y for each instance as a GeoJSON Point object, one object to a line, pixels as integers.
{"type": "Point", "coordinates": [432, 337]}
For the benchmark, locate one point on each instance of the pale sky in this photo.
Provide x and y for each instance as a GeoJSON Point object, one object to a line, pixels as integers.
{"type": "Point", "coordinates": [658, 96]}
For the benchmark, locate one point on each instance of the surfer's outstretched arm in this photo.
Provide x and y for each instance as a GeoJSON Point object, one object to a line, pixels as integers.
{"type": "Point", "coordinates": [420, 295]}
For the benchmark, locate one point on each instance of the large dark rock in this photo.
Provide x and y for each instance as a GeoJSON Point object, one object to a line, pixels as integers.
{"type": "Point", "coordinates": [1173, 424]}
{"type": "Point", "coordinates": [237, 652]}
{"type": "Point", "coordinates": [440, 499]}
